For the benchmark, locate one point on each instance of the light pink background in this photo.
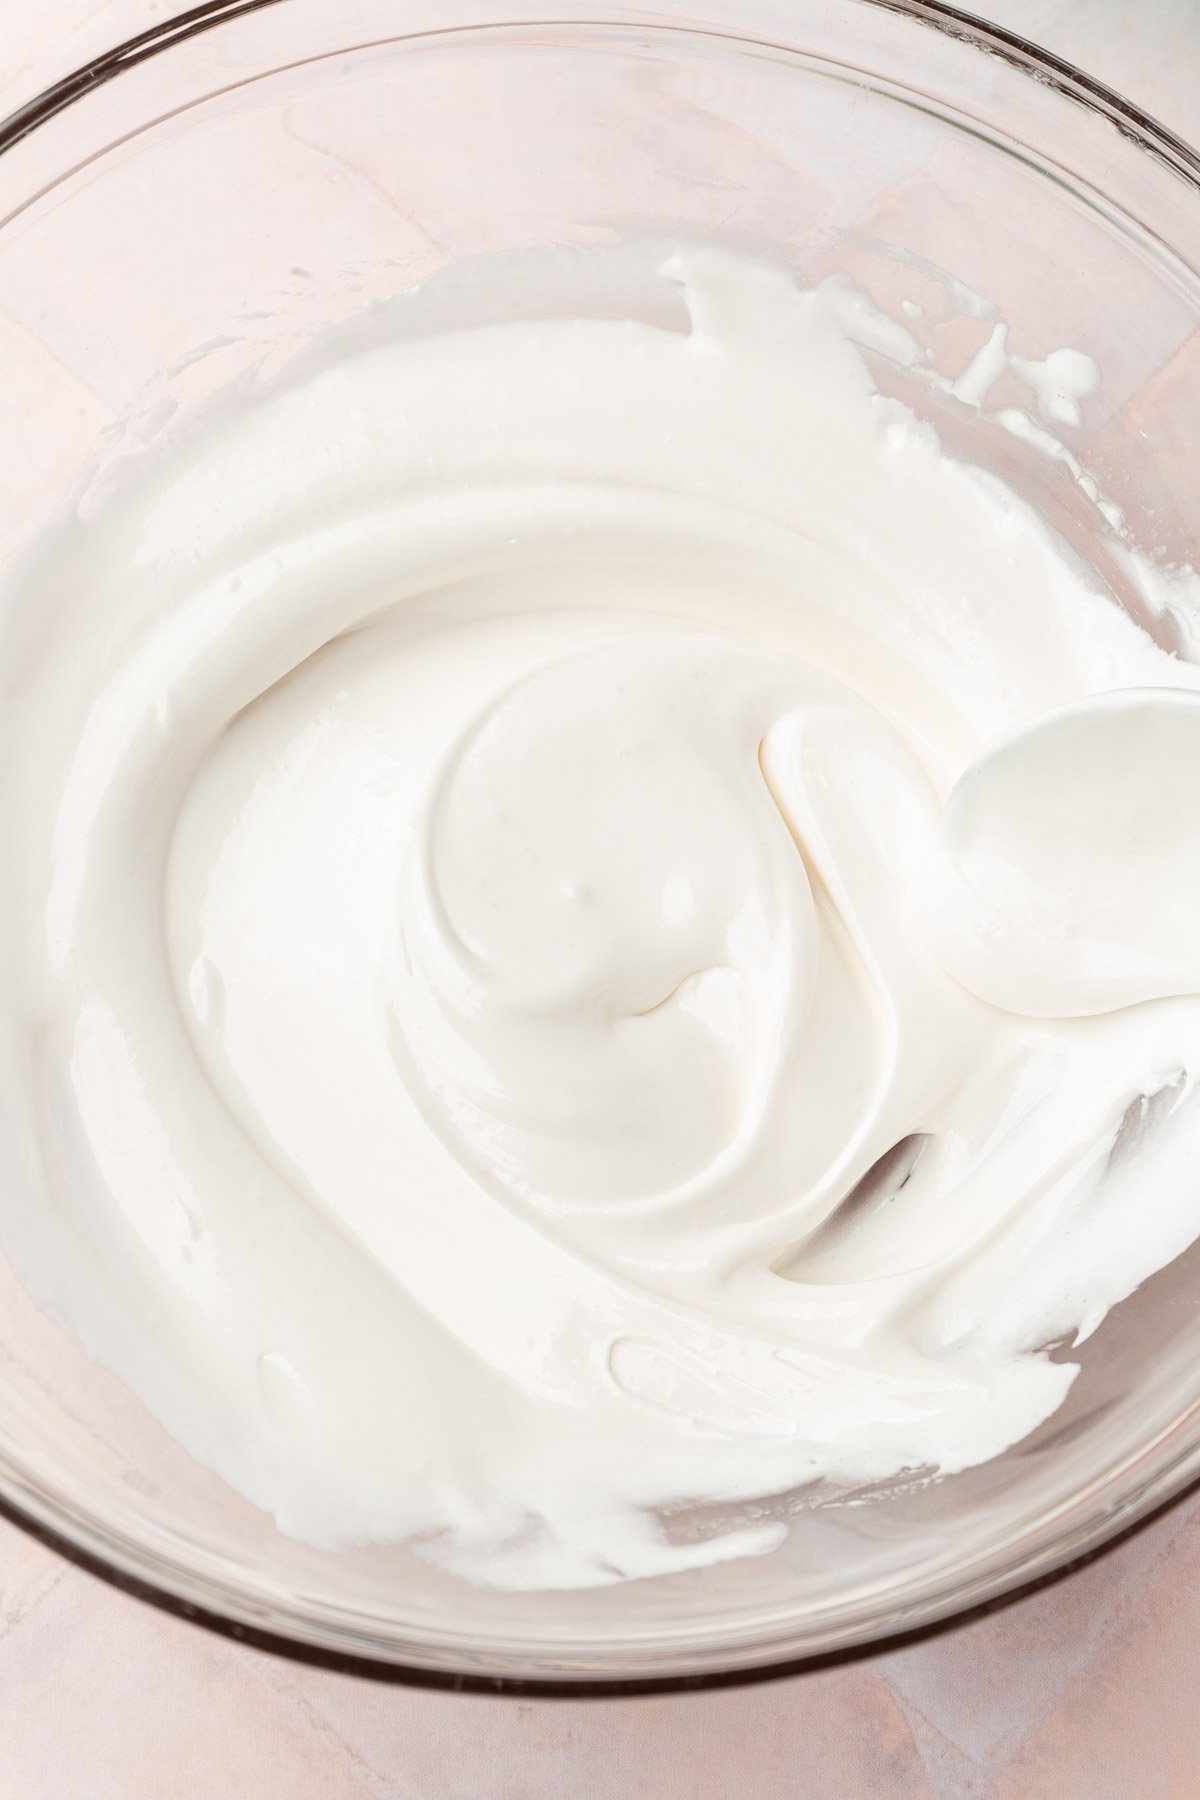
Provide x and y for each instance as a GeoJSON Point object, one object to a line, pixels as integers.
{"type": "Point", "coordinates": [1084, 1691]}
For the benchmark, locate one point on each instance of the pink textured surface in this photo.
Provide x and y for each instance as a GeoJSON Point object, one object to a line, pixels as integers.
{"type": "Point", "coordinates": [1083, 1691]}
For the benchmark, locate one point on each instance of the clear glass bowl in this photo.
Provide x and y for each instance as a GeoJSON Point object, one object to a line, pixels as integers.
{"type": "Point", "coordinates": [190, 211]}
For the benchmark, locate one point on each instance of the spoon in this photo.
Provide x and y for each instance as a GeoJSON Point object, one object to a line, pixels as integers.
{"type": "Point", "coordinates": [1075, 846]}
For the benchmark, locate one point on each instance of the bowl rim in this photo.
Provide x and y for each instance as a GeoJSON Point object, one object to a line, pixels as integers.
{"type": "Point", "coordinates": [1019, 52]}
{"type": "Point", "coordinates": [292, 1625]}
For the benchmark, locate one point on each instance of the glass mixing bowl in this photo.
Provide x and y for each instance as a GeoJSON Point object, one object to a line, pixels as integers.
{"type": "Point", "coordinates": [192, 209]}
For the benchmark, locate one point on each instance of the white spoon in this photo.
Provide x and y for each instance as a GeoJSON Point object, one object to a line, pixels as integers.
{"type": "Point", "coordinates": [1074, 843]}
